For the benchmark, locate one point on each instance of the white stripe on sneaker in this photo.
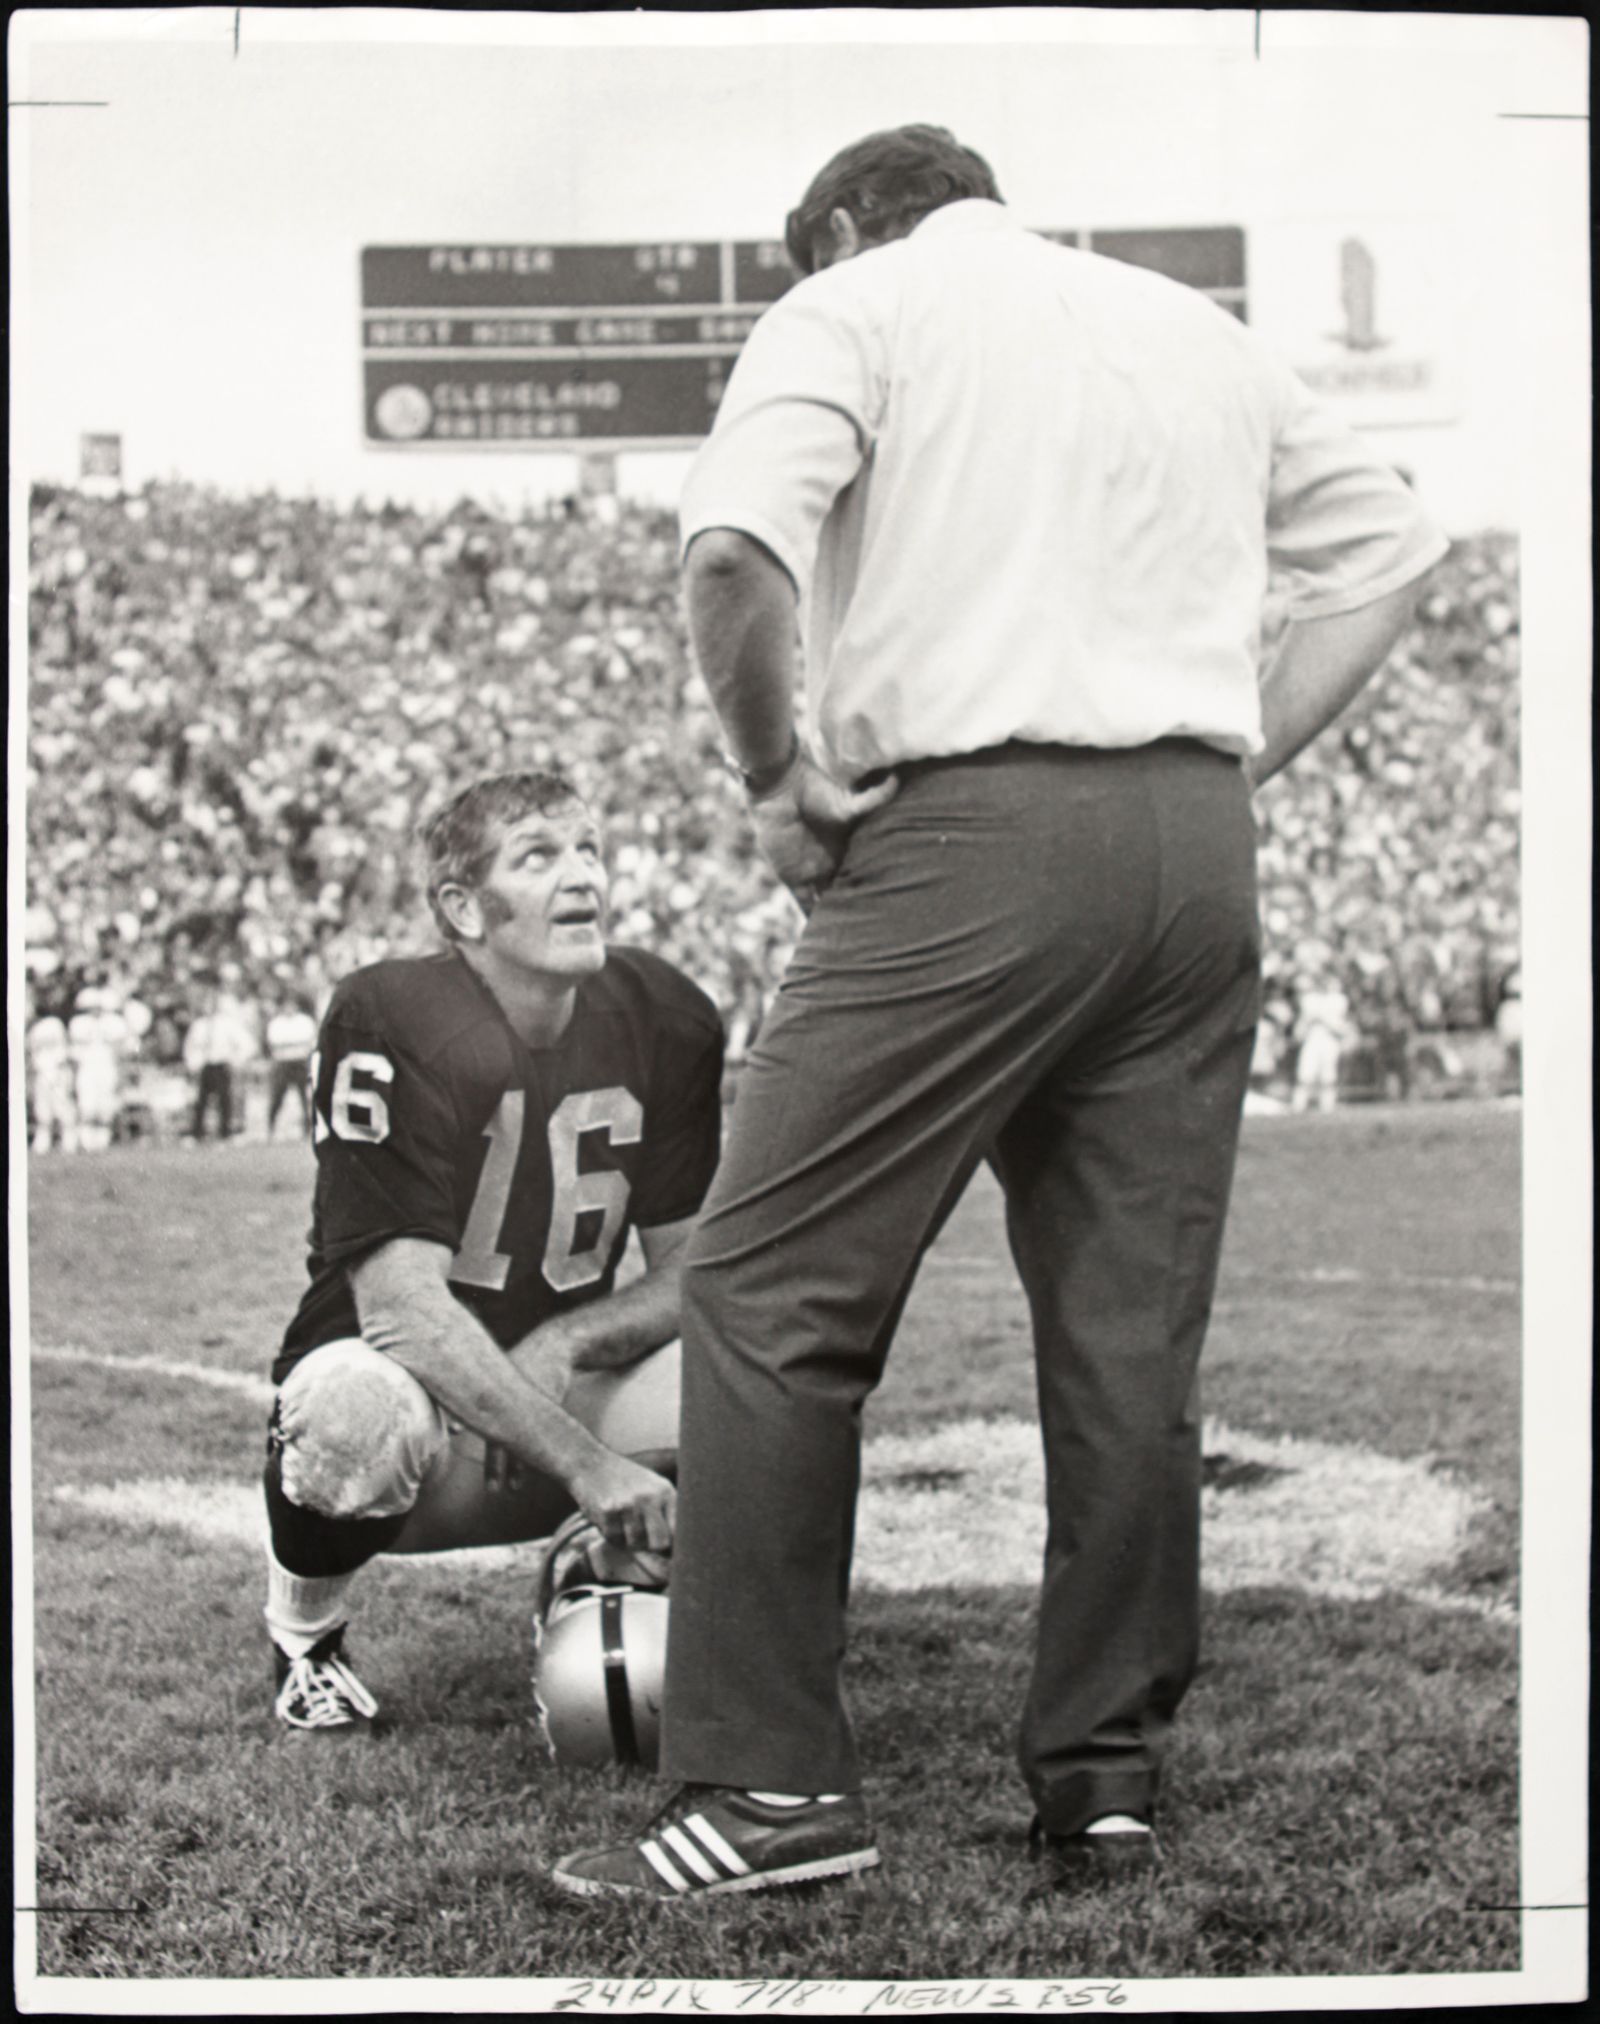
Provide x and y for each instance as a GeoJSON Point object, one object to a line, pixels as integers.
{"type": "Point", "coordinates": [658, 1860]}
{"type": "Point", "coordinates": [796, 1798]}
{"type": "Point", "coordinates": [730, 1858]}
{"type": "Point", "coordinates": [686, 1852]}
{"type": "Point", "coordinates": [353, 1687]}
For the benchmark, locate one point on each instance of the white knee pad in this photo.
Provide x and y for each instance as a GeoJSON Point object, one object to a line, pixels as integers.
{"type": "Point", "coordinates": [359, 1433]}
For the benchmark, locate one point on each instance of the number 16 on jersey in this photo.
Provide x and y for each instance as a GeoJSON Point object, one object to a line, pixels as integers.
{"type": "Point", "coordinates": [566, 1265]}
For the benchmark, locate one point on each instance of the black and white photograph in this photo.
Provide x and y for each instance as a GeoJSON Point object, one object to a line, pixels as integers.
{"type": "Point", "coordinates": [799, 1008]}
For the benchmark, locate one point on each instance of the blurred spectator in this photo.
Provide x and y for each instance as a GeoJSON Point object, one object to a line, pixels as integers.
{"type": "Point", "coordinates": [218, 1043]}
{"type": "Point", "coordinates": [1271, 1048]}
{"type": "Point", "coordinates": [1323, 1028]}
{"type": "Point", "coordinates": [1390, 1028]}
{"type": "Point", "coordinates": [1508, 1024]}
{"type": "Point", "coordinates": [291, 1035]}
{"type": "Point", "coordinates": [52, 1093]}
{"type": "Point", "coordinates": [238, 707]}
{"type": "Point", "coordinates": [98, 1037]}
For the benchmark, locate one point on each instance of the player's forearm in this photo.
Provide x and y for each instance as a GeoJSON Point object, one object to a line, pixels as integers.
{"type": "Point", "coordinates": [741, 612]}
{"type": "Point", "coordinates": [419, 1322]}
{"type": "Point", "coordinates": [1321, 667]}
{"type": "Point", "coordinates": [610, 1333]}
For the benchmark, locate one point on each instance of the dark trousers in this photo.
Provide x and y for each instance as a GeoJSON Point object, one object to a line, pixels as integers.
{"type": "Point", "coordinates": [1048, 958]}
{"type": "Point", "coordinates": [214, 1090]}
{"type": "Point", "coordinates": [288, 1078]}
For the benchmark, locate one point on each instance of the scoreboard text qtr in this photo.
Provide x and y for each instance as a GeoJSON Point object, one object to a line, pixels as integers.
{"type": "Point", "coordinates": [618, 346]}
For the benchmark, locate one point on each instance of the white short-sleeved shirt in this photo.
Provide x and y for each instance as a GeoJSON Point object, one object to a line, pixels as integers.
{"type": "Point", "coordinates": [47, 1043]}
{"type": "Point", "coordinates": [291, 1035]}
{"type": "Point", "coordinates": [1029, 492]}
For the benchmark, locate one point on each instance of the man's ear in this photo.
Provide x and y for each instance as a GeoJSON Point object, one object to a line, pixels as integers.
{"type": "Point", "coordinates": [846, 234]}
{"type": "Point", "coordinates": [462, 908]}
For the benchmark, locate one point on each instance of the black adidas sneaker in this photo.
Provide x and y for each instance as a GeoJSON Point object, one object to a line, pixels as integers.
{"type": "Point", "coordinates": [319, 1691]}
{"type": "Point", "coordinates": [708, 1839]}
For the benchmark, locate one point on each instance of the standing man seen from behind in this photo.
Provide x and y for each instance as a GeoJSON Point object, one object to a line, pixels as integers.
{"type": "Point", "coordinates": [1027, 498]}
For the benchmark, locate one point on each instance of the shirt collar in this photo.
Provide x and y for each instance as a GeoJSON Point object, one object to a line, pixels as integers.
{"type": "Point", "coordinates": [967, 214]}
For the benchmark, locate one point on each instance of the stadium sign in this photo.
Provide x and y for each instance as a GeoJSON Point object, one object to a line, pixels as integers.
{"type": "Point", "coordinates": [100, 456]}
{"type": "Point", "coordinates": [100, 465]}
{"type": "Point", "coordinates": [616, 347]}
{"type": "Point", "coordinates": [1357, 305]}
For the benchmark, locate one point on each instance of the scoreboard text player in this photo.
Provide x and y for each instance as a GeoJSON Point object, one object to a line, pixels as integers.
{"type": "Point", "coordinates": [604, 348]}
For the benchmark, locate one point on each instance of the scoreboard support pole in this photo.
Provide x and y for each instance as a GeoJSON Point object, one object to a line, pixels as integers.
{"type": "Point", "coordinates": [597, 474]}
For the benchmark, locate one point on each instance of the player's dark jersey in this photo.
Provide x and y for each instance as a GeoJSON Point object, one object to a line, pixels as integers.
{"type": "Point", "coordinates": [432, 1119]}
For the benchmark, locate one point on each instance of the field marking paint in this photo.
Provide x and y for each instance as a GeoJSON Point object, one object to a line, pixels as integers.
{"type": "Point", "coordinates": [233, 1514]}
{"type": "Point", "coordinates": [244, 1382]}
{"type": "Point", "coordinates": [1309, 1275]}
{"type": "Point", "coordinates": [1334, 1521]}
{"type": "Point", "coordinates": [1350, 1275]}
{"type": "Point", "coordinates": [218, 1511]}
{"type": "Point", "coordinates": [961, 1507]}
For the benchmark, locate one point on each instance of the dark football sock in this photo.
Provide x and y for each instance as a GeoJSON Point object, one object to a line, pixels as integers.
{"type": "Point", "coordinates": [306, 1543]}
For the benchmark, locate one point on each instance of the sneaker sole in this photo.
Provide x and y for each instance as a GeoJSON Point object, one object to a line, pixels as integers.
{"type": "Point", "coordinates": [1102, 1865]}
{"type": "Point", "coordinates": [360, 1725]}
{"type": "Point", "coordinates": [760, 1879]}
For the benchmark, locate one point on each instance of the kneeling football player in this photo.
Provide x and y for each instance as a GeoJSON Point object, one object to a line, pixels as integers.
{"type": "Point", "coordinates": [490, 1123]}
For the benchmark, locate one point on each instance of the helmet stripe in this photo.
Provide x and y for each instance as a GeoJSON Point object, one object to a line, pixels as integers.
{"type": "Point", "coordinates": [730, 1858]}
{"type": "Point", "coordinates": [686, 1852]}
{"type": "Point", "coordinates": [619, 1702]}
{"type": "Point", "coordinates": [658, 1860]}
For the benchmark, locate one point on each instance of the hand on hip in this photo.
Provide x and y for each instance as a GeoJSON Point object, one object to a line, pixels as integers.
{"type": "Point", "coordinates": [805, 824]}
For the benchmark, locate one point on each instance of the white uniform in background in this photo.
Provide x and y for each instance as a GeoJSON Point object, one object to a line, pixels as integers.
{"type": "Point", "coordinates": [98, 1034]}
{"type": "Point", "coordinates": [1508, 1014]}
{"type": "Point", "coordinates": [139, 1017]}
{"type": "Point", "coordinates": [55, 1102]}
{"type": "Point", "coordinates": [1324, 1023]}
{"type": "Point", "coordinates": [291, 1036]}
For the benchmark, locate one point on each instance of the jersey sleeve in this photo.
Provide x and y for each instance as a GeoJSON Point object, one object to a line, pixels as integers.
{"type": "Point", "coordinates": [1342, 525]}
{"type": "Point", "coordinates": [683, 1128]}
{"type": "Point", "coordinates": [386, 1137]}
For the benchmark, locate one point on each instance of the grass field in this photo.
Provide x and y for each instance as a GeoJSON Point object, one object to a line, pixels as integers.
{"type": "Point", "coordinates": [1342, 1793]}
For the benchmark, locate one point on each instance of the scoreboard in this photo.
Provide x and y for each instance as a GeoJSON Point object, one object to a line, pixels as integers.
{"type": "Point", "coordinates": [616, 347]}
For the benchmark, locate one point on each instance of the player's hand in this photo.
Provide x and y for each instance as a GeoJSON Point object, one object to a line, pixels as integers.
{"type": "Point", "coordinates": [803, 826]}
{"type": "Point", "coordinates": [633, 1507]}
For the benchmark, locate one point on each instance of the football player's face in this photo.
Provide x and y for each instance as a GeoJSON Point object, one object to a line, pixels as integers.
{"type": "Point", "coordinates": [543, 899]}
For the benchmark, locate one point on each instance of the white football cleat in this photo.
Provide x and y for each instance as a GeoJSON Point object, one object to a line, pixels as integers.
{"type": "Point", "coordinates": [319, 1691]}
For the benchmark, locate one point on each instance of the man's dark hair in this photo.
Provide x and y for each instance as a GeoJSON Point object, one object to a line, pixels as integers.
{"type": "Point", "coordinates": [887, 182]}
{"type": "Point", "coordinates": [460, 839]}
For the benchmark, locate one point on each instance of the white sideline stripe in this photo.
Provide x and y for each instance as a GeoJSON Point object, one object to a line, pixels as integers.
{"type": "Point", "coordinates": [917, 1540]}
{"type": "Point", "coordinates": [726, 1854]}
{"type": "Point", "coordinates": [233, 1514]}
{"type": "Point", "coordinates": [663, 1867]}
{"type": "Point", "coordinates": [1336, 1521]}
{"type": "Point", "coordinates": [244, 1382]}
{"type": "Point", "coordinates": [222, 1513]}
{"type": "Point", "coordinates": [1349, 1275]}
{"type": "Point", "coordinates": [1309, 1275]}
{"type": "Point", "coordinates": [686, 1852]}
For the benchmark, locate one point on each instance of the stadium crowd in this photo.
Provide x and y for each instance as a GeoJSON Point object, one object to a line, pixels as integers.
{"type": "Point", "coordinates": [238, 706]}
